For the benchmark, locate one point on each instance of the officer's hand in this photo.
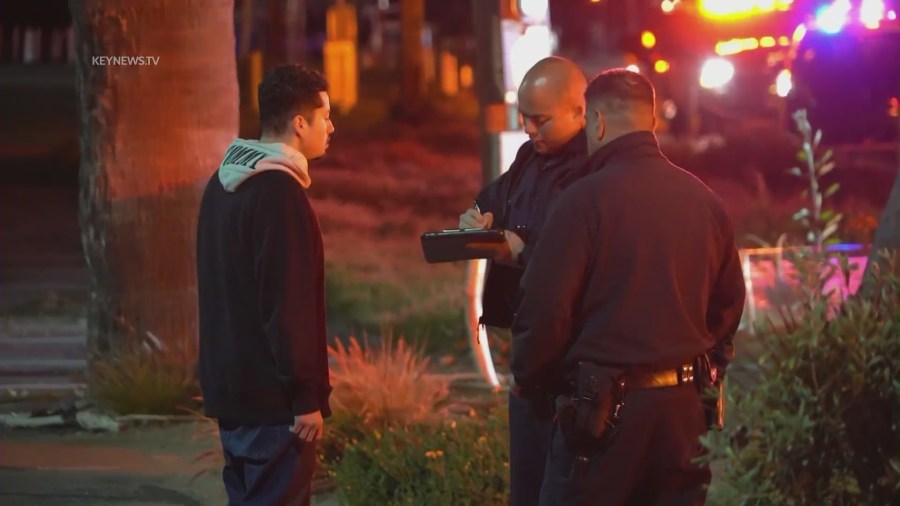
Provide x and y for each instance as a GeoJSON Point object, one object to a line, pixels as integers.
{"type": "Point", "coordinates": [516, 245]}
{"type": "Point", "coordinates": [309, 427]}
{"type": "Point", "coordinates": [506, 252]}
{"type": "Point", "coordinates": [515, 388]}
{"type": "Point", "coordinates": [472, 218]}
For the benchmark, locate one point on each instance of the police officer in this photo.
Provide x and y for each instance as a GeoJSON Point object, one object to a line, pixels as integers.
{"type": "Point", "coordinates": [636, 281]}
{"type": "Point", "coordinates": [551, 105]}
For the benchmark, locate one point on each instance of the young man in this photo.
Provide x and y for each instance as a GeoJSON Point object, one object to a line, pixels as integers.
{"type": "Point", "coordinates": [551, 104]}
{"type": "Point", "coordinates": [635, 284]}
{"type": "Point", "coordinates": [260, 266]}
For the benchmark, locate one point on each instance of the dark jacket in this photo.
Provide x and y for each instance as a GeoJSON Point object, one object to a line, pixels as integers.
{"type": "Point", "coordinates": [519, 200]}
{"type": "Point", "coordinates": [637, 267]}
{"type": "Point", "coordinates": [261, 282]}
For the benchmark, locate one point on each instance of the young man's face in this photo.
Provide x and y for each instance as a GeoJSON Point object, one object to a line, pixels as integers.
{"type": "Point", "coordinates": [315, 131]}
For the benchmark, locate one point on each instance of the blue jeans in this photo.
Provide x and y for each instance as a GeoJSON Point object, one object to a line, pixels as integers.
{"type": "Point", "coordinates": [529, 440]}
{"type": "Point", "coordinates": [267, 465]}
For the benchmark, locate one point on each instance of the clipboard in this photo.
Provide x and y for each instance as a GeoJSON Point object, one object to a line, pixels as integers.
{"type": "Point", "coordinates": [452, 244]}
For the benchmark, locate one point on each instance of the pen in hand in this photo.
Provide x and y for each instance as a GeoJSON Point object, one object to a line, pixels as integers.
{"type": "Point", "coordinates": [477, 208]}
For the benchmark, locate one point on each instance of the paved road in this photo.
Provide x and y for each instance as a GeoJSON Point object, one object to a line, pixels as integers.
{"type": "Point", "coordinates": [45, 488]}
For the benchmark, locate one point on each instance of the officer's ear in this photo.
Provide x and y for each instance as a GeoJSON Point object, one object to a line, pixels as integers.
{"type": "Point", "coordinates": [601, 125]}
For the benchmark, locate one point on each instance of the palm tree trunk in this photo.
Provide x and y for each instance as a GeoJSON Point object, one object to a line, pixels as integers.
{"type": "Point", "coordinates": [150, 137]}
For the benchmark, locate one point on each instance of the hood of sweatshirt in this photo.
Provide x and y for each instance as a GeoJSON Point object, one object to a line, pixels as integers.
{"type": "Point", "coordinates": [245, 158]}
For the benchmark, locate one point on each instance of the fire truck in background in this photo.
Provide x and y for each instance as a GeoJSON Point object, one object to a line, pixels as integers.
{"type": "Point", "coordinates": [845, 70]}
{"type": "Point", "coordinates": [726, 63]}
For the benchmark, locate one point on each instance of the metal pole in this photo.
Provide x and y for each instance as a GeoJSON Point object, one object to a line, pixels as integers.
{"type": "Point", "coordinates": [488, 80]}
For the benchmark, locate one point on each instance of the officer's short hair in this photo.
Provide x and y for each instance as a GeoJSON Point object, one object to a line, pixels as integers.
{"type": "Point", "coordinates": [620, 88]}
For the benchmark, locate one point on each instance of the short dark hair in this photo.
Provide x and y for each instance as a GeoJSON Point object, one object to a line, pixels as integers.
{"type": "Point", "coordinates": [620, 87]}
{"type": "Point", "coordinates": [286, 91]}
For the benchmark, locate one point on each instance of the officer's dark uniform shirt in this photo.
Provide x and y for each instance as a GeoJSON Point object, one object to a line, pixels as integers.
{"type": "Point", "coordinates": [637, 266]}
{"type": "Point", "coordinates": [519, 200]}
{"type": "Point", "coordinates": [543, 176]}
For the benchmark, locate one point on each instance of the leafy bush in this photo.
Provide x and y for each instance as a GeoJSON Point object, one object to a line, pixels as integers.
{"type": "Point", "coordinates": [821, 424]}
{"type": "Point", "coordinates": [146, 377]}
{"type": "Point", "coordinates": [456, 463]}
{"type": "Point", "coordinates": [820, 223]}
{"type": "Point", "coordinates": [342, 430]}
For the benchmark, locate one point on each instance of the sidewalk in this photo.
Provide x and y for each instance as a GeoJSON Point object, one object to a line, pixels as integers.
{"type": "Point", "coordinates": [136, 467]}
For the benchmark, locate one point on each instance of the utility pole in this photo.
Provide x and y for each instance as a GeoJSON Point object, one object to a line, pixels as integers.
{"type": "Point", "coordinates": [489, 85]}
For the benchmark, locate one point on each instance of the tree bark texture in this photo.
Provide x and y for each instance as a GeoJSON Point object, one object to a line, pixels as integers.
{"type": "Point", "coordinates": [150, 138]}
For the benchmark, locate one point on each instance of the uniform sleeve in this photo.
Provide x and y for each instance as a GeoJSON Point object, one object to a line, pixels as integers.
{"type": "Point", "coordinates": [490, 199]}
{"type": "Point", "coordinates": [287, 268]}
{"type": "Point", "coordinates": [726, 304]}
{"type": "Point", "coordinates": [553, 280]}
{"type": "Point", "coordinates": [493, 197]}
{"type": "Point", "coordinates": [527, 252]}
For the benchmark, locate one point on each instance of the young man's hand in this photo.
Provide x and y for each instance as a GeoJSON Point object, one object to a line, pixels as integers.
{"type": "Point", "coordinates": [309, 427]}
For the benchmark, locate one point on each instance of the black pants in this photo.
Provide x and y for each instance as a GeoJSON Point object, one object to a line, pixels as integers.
{"type": "Point", "coordinates": [648, 463]}
{"type": "Point", "coordinates": [529, 440]}
{"type": "Point", "coordinates": [267, 465]}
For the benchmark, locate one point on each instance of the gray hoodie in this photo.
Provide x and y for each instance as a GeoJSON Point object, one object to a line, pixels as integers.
{"type": "Point", "coordinates": [244, 158]}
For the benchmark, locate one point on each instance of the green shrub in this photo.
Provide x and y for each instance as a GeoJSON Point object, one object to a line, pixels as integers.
{"type": "Point", "coordinates": [457, 463]}
{"type": "Point", "coordinates": [820, 426]}
{"type": "Point", "coordinates": [146, 377]}
{"type": "Point", "coordinates": [377, 387]}
{"type": "Point", "coordinates": [342, 430]}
